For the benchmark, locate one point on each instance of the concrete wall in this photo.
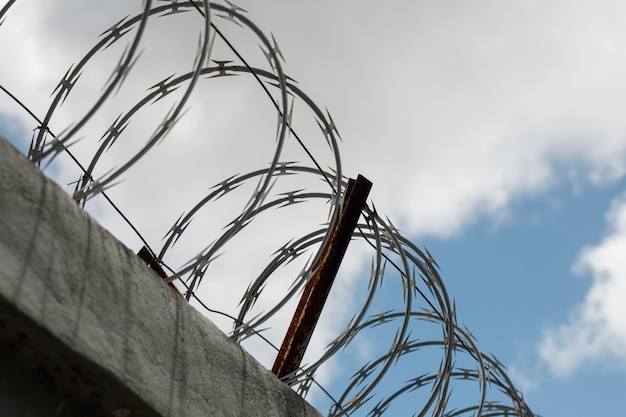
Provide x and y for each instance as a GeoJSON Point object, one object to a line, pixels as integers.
{"type": "Point", "coordinates": [87, 329]}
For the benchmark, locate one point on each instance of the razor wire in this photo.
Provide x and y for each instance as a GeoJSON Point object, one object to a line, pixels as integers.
{"type": "Point", "coordinates": [423, 305]}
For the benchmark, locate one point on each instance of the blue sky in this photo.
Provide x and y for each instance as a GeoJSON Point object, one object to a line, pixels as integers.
{"type": "Point", "coordinates": [492, 131]}
{"type": "Point", "coordinates": [512, 281]}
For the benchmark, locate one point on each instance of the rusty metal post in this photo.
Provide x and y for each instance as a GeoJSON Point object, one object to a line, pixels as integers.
{"type": "Point", "coordinates": [317, 289]}
{"type": "Point", "coordinates": [146, 256]}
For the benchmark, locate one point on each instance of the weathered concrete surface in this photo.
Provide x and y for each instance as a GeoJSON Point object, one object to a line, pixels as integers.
{"type": "Point", "coordinates": [81, 315]}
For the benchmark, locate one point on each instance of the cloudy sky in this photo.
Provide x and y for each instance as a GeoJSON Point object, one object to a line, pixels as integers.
{"type": "Point", "coordinates": [491, 130]}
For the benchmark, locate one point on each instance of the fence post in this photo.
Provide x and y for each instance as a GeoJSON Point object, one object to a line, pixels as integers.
{"type": "Point", "coordinates": [317, 289]}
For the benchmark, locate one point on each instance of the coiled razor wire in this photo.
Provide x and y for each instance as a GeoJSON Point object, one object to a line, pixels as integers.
{"type": "Point", "coordinates": [377, 386]}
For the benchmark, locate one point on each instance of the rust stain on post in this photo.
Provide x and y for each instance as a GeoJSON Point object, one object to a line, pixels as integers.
{"type": "Point", "coordinates": [145, 255]}
{"type": "Point", "coordinates": [317, 289]}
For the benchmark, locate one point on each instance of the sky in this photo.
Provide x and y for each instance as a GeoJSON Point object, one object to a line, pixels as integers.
{"type": "Point", "coordinates": [492, 132]}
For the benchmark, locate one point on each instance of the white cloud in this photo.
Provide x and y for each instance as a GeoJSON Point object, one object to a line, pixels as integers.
{"type": "Point", "coordinates": [596, 331]}
{"type": "Point", "coordinates": [453, 111]}
{"type": "Point", "coordinates": [456, 109]}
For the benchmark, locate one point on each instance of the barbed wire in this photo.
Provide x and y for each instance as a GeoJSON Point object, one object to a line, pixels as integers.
{"type": "Point", "coordinates": [422, 304]}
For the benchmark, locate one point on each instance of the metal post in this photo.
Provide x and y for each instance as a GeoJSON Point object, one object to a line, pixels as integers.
{"type": "Point", "coordinates": [317, 289]}
{"type": "Point", "coordinates": [146, 256]}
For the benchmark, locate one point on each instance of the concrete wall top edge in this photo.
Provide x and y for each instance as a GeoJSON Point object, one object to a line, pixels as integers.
{"type": "Point", "coordinates": [82, 297]}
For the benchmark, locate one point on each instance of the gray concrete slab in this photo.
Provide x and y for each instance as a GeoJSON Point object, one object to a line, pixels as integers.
{"type": "Point", "coordinates": [81, 312]}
